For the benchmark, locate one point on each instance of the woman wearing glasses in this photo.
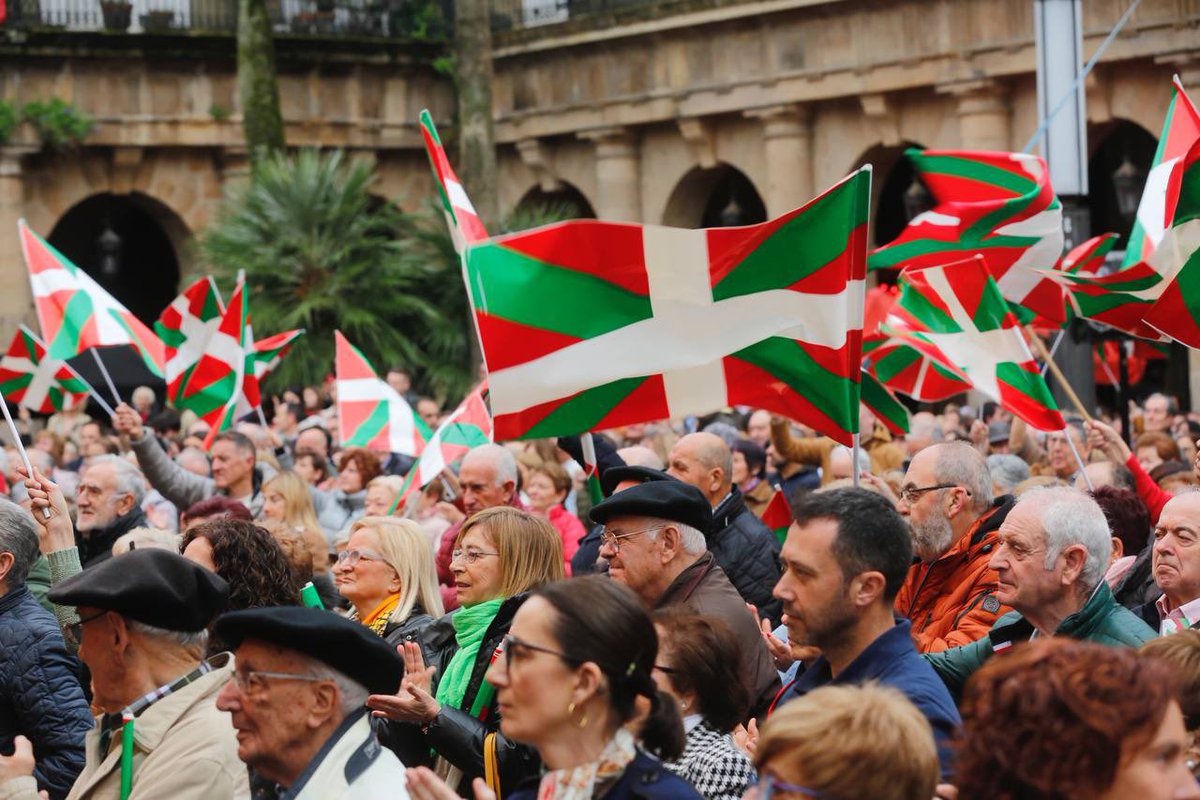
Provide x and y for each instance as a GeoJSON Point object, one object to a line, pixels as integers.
{"type": "Point", "coordinates": [575, 669]}
{"type": "Point", "coordinates": [500, 555]}
{"type": "Point", "coordinates": [697, 666]}
{"type": "Point", "coordinates": [387, 574]}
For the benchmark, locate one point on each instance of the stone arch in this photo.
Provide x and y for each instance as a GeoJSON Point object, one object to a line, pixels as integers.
{"type": "Point", "coordinates": [130, 244]}
{"type": "Point", "coordinates": [718, 197]}
{"type": "Point", "coordinates": [895, 190]}
{"type": "Point", "coordinates": [1121, 154]}
{"type": "Point", "coordinates": [567, 197]}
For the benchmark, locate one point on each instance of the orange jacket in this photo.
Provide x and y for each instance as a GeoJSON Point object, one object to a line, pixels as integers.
{"type": "Point", "coordinates": [952, 601]}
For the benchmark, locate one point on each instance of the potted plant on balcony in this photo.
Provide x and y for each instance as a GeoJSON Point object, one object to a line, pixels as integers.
{"type": "Point", "coordinates": [117, 14]}
{"type": "Point", "coordinates": [157, 21]}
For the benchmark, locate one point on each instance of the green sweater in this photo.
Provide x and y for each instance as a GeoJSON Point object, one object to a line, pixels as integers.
{"type": "Point", "coordinates": [1101, 620]}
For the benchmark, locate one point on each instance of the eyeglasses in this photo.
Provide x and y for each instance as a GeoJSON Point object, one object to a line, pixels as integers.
{"type": "Point", "coordinates": [769, 785]}
{"type": "Point", "coordinates": [76, 629]}
{"type": "Point", "coordinates": [911, 494]}
{"type": "Point", "coordinates": [613, 540]}
{"type": "Point", "coordinates": [253, 682]}
{"type": "Point", "coordinates": [469, 556]}
{"type": "Point", "coordinates": [514, 646]}
{"type": "Point", "coordinates": [350, 558]}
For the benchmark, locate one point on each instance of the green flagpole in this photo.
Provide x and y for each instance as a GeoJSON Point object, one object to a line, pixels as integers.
{"type": "Point", "coordinates": [126, 755]}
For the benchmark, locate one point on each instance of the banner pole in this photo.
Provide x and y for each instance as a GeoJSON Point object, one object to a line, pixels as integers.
{"type": "Point", "coordinates": [107, 378]}
{"type": "Point", "coordinates": [854, 460]}
{"type": "Point", "coordinates": [1057, 373]}
{"type": "Point", "coordinates": [12, 427]}
{"type": "Point", "coordinates": [1078, 459]}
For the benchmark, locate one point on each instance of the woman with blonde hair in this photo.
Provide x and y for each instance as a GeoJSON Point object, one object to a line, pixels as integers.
{"type": "Point", "coordinates": [500, 555]}
{"type": "Point", "coordinates": [382, 493]}
{"type": "Point", "coordinates": [286, 499]}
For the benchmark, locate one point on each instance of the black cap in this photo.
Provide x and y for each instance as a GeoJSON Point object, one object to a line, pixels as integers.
{"type": "Point", "coordinates": [152, 586]}
{"type": "Point", "coordinates": [669, 499]}
{"type": "Point", "coordinates": [615, 475]}
{"type": "Point", "coordinates": [349, 647]}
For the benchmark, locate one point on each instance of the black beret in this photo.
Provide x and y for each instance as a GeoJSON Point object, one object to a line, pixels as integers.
{"type": "Point", "coordinates": [669, 499]}
{"type": "Point", "coordinates": [615, 475]}
{"type": "Point", "coordinates": [349, 647]}
{"type": "Point", "coordinates": [152, 586]}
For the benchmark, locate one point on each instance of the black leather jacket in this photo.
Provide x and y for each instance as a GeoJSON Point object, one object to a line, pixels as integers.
{"type": "Point", "coordinates": [748, 552]}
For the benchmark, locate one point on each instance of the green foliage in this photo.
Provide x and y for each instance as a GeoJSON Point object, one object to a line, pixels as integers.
{"type": "Point", "coordinates": [321, 253]}
{"type": "Point", "coordinates": [60, 125]}
{"type": "Point", "coordinates": [9, 119]}
{"type": "Point", "coordinates": [218, 112]}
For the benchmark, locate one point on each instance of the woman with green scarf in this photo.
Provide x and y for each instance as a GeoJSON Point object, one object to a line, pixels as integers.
{"type": "Point", "coordinates": [500, 555]}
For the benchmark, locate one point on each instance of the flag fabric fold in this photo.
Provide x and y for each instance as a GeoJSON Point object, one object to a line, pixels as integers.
{"type": "Point", "coordinates": [270, 351]}
{"type": "Point", "coordinates": [778, 515]}
{"type": "Point", "coordinates": [461, 217]}
{"type": "Point", "coordinates": [587, 325]}
{"type": "Point", "coordinates": [371, 413]}
{"type": "Point", "coordinates": [467, 427]}
{"type": "Point", "coordinates": [185, 328]}
{"type": "Point", "coordinates": [884, 405]}
{"type": "Point", "coordinates": [34, 380]}
{"type": "Point", "coordinates": [901, 365]}
{"type": "Point", "coordinates": [966, 324]}
{"type": "Point", "coordinates": [1177, 254]}
{"type": "Point", "coordinates": [997, 205]}
{"type": "Point", "coordinates": [75, 313]}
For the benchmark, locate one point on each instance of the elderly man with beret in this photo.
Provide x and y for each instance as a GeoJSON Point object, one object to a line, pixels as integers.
{"type": "Point", "coordinates": [142, 631]}
{"type": "Point", "coordinates": [297, 701]}
{"type": "Point", "coordinates": [654, 543]}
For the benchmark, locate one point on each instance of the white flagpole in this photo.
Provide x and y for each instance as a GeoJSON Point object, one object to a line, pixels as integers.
{"type": "Point", "coordinates": [91, 390]}
{"type": "Point", "coordinates": [107, 378]}
{"type": "Point", "coordinates": [1078, 459]}
{"type": "Point", "coordinates": [1053, 348]}
{"type": "Point", "coordinates": [12, 427]}
{"type": "Point", "coordinates": [854, 460]}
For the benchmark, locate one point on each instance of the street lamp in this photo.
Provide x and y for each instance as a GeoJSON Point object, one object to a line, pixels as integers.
{"type": "Point", "coordinates": [916, 200]}
{"type": "Point", "coordinates": [1128, 182]}
{"type": "Point", "coordinates": [110, 253]}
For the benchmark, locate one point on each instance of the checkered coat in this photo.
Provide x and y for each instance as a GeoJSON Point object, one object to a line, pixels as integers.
{"type": "Point", "coordinates": [714, 764]}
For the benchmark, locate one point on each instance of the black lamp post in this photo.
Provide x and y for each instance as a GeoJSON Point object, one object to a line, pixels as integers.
{"type": "Point", "coordinates": [1128, 182]}
{"type": "Point", "coordinates": [916, 200]}
{"type": "Point", "coordinates": [110, 253]}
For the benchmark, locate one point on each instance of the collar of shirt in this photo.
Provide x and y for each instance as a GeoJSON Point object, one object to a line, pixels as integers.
{"type": "Point", "coordinates": [1174, 620]}
{"type": "Point", "coordinates": [691, 721]}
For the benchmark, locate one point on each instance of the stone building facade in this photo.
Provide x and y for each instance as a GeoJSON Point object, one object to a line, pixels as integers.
{"type": "Point", "coordinates": [685, 113]}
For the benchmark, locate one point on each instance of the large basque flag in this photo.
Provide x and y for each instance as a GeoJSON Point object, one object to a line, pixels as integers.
{"type": "Point", "coordinates": [588, 325]}
{"type": "Point", "coordinates": [997, 205]}
{"type": "Point", "coordinates": [965, 318]}
{"type": "Point", "coordinates": [75, 313]}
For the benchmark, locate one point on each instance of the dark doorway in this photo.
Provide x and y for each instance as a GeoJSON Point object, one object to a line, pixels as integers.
{"type": "Point", "coordinates": [1117, 174]}
{"type": "Point", "coordinates": [720, 197]}
{"type": "Point", "coordinates": [121, 242]}
{"type": "Point", "coordinates": [565, 202]}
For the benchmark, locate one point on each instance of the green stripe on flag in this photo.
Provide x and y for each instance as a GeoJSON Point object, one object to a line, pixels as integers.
{"type": "Point", "coordinates": [76, 314]}
{"type": "Point", "coordinates": [531, 292]}
{"type": "Point", "coordinates": [1027, 383]}
{"type": "Point", "coordinates": [787, 360]}
{"type": "Point", "coordinates": [890, 410]}
{"type": "Point", "coordinates": [583, 411]}
{"type": "Point", "coordinates": [933, 317]}
{"type": "Point", "coordinates": [804, 244]}
{"type": "Point", "coordinates": [371, 427]}
{"type": "Point", "coordinates": [1015, 180]}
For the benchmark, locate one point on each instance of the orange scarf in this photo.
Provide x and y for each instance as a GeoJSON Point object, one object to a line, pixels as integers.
{"type": "Point", "coordinates": [377, 620]}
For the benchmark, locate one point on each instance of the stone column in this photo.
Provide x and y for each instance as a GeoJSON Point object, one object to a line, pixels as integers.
{"type": "Point", "coordinates": [618, 185]}
{"type": "Point", "coordinates": [984, 117]}
{"type": "Point", "coordinates": [787, 146]}
{"type": "Point", "coordinates": [16, 300]}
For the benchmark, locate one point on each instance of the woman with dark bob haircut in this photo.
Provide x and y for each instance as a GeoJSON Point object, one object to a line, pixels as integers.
{"type": "Point", "coordinates": [697, 665]}
{"type": "Point", "coordinates": [1073, 721]}
{"type": "Point", "coordinates": [576, 661]}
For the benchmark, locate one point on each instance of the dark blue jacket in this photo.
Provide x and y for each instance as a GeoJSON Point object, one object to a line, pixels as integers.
{"type": "Point", "coordinates": [892, 660]}
{"type": "Point", "coordinates": [645, 778]}
{"type": "Point", "coordinates": [40, 695]}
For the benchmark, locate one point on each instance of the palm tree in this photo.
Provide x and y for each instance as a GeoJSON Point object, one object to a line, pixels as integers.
{"type": "Point", "coordinates": [321, 252]}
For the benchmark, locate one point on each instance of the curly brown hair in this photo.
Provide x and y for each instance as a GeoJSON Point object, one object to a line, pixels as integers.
{"type": "Point", "coordinates": [251, 562]}
{"type": "Point", "coordinates": [1057, 719]}
{"type": "Point", "coordinates": [366, 461]}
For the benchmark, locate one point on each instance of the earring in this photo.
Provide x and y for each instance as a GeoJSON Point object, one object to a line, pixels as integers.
{"type": "Point", "coordinates": [571, 712]}
{"type": "Point", "coordinates": [683, 706]}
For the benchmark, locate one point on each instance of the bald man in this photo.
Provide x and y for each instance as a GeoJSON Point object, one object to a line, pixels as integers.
{"type": "Point", "coordinates": [743, 546]}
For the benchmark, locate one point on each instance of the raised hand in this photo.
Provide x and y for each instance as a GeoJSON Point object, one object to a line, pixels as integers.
{"type": "Point", "coordinates": [127, 421]}
{"type": "Point", "coordinates": [414, 701]}
{"type": "Point", "coordinates": [1108, 440]}
{"type": "Point", "coordinates": [55, 531]}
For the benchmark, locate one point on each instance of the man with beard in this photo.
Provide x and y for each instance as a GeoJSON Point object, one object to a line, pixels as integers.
{"type": "Point", "coordinates": [950, 593]}
{"type": "Point", "coordinates": [108, 505]}
{"type": "Point", "coordinates": [846, 555]}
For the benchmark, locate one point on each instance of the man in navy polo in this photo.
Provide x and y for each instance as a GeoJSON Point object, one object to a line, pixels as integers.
{"type": "Point", "coordinates": [845, 558]}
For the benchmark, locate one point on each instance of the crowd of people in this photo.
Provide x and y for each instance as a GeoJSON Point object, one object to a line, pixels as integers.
{"type": "Point", "coordinates": [972, 610]}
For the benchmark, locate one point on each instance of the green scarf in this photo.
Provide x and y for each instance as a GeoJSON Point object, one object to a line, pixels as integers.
{"type": "Point", "coordinates": [470, 624]}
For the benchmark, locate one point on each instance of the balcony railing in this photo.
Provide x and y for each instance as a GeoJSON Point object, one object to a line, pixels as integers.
{"type": "Point", "coordinates": [423, 19]}
{"type": "Point", "coordinates": [517, 14]}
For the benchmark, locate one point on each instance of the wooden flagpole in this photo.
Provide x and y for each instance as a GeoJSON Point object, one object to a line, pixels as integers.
{"type": "Point", "coordinates": [1054, 370]}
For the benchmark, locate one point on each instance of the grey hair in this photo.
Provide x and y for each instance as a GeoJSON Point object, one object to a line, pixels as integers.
{"type": "Point", "coordinates": [144, 539]}
{"type": "Point", "coordinates": [692, 539]}
{"type": "Point", "coordinates": [1070, 517]}
{"type": "Point", "coordinates": [864, 458]}
{"type": "Point", "coordinates": [19, 537]}
{"type": "Point", "coordinates": [723, 430]}
{"type": "Point", "coordinates": [194, 455]}
{"type": "Point", "coordinates": [1007, 470]}
{"type": "Point", "coordinates": [42, 460]}
{"type": "Point", "coordinates": [352, 695]}
{"type": "Point", "coordinates": [194, 641]}
{"type": "Point", "coordinates": [960, 464]}
{"type": "Point", "coordinates": [501, 460]}
{"type": "Point", "coordinates": [129, 478]}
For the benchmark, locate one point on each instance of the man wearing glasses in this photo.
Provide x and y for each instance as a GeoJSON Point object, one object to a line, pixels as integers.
{"type": "Point", "coordinates": [142, 631]}
{"type": "Point", "coordinates": [654, 543]}
{"type": "Point", "coordinates": [950, 592]}
{"type": "Point", "coordinates": [297, 700]}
